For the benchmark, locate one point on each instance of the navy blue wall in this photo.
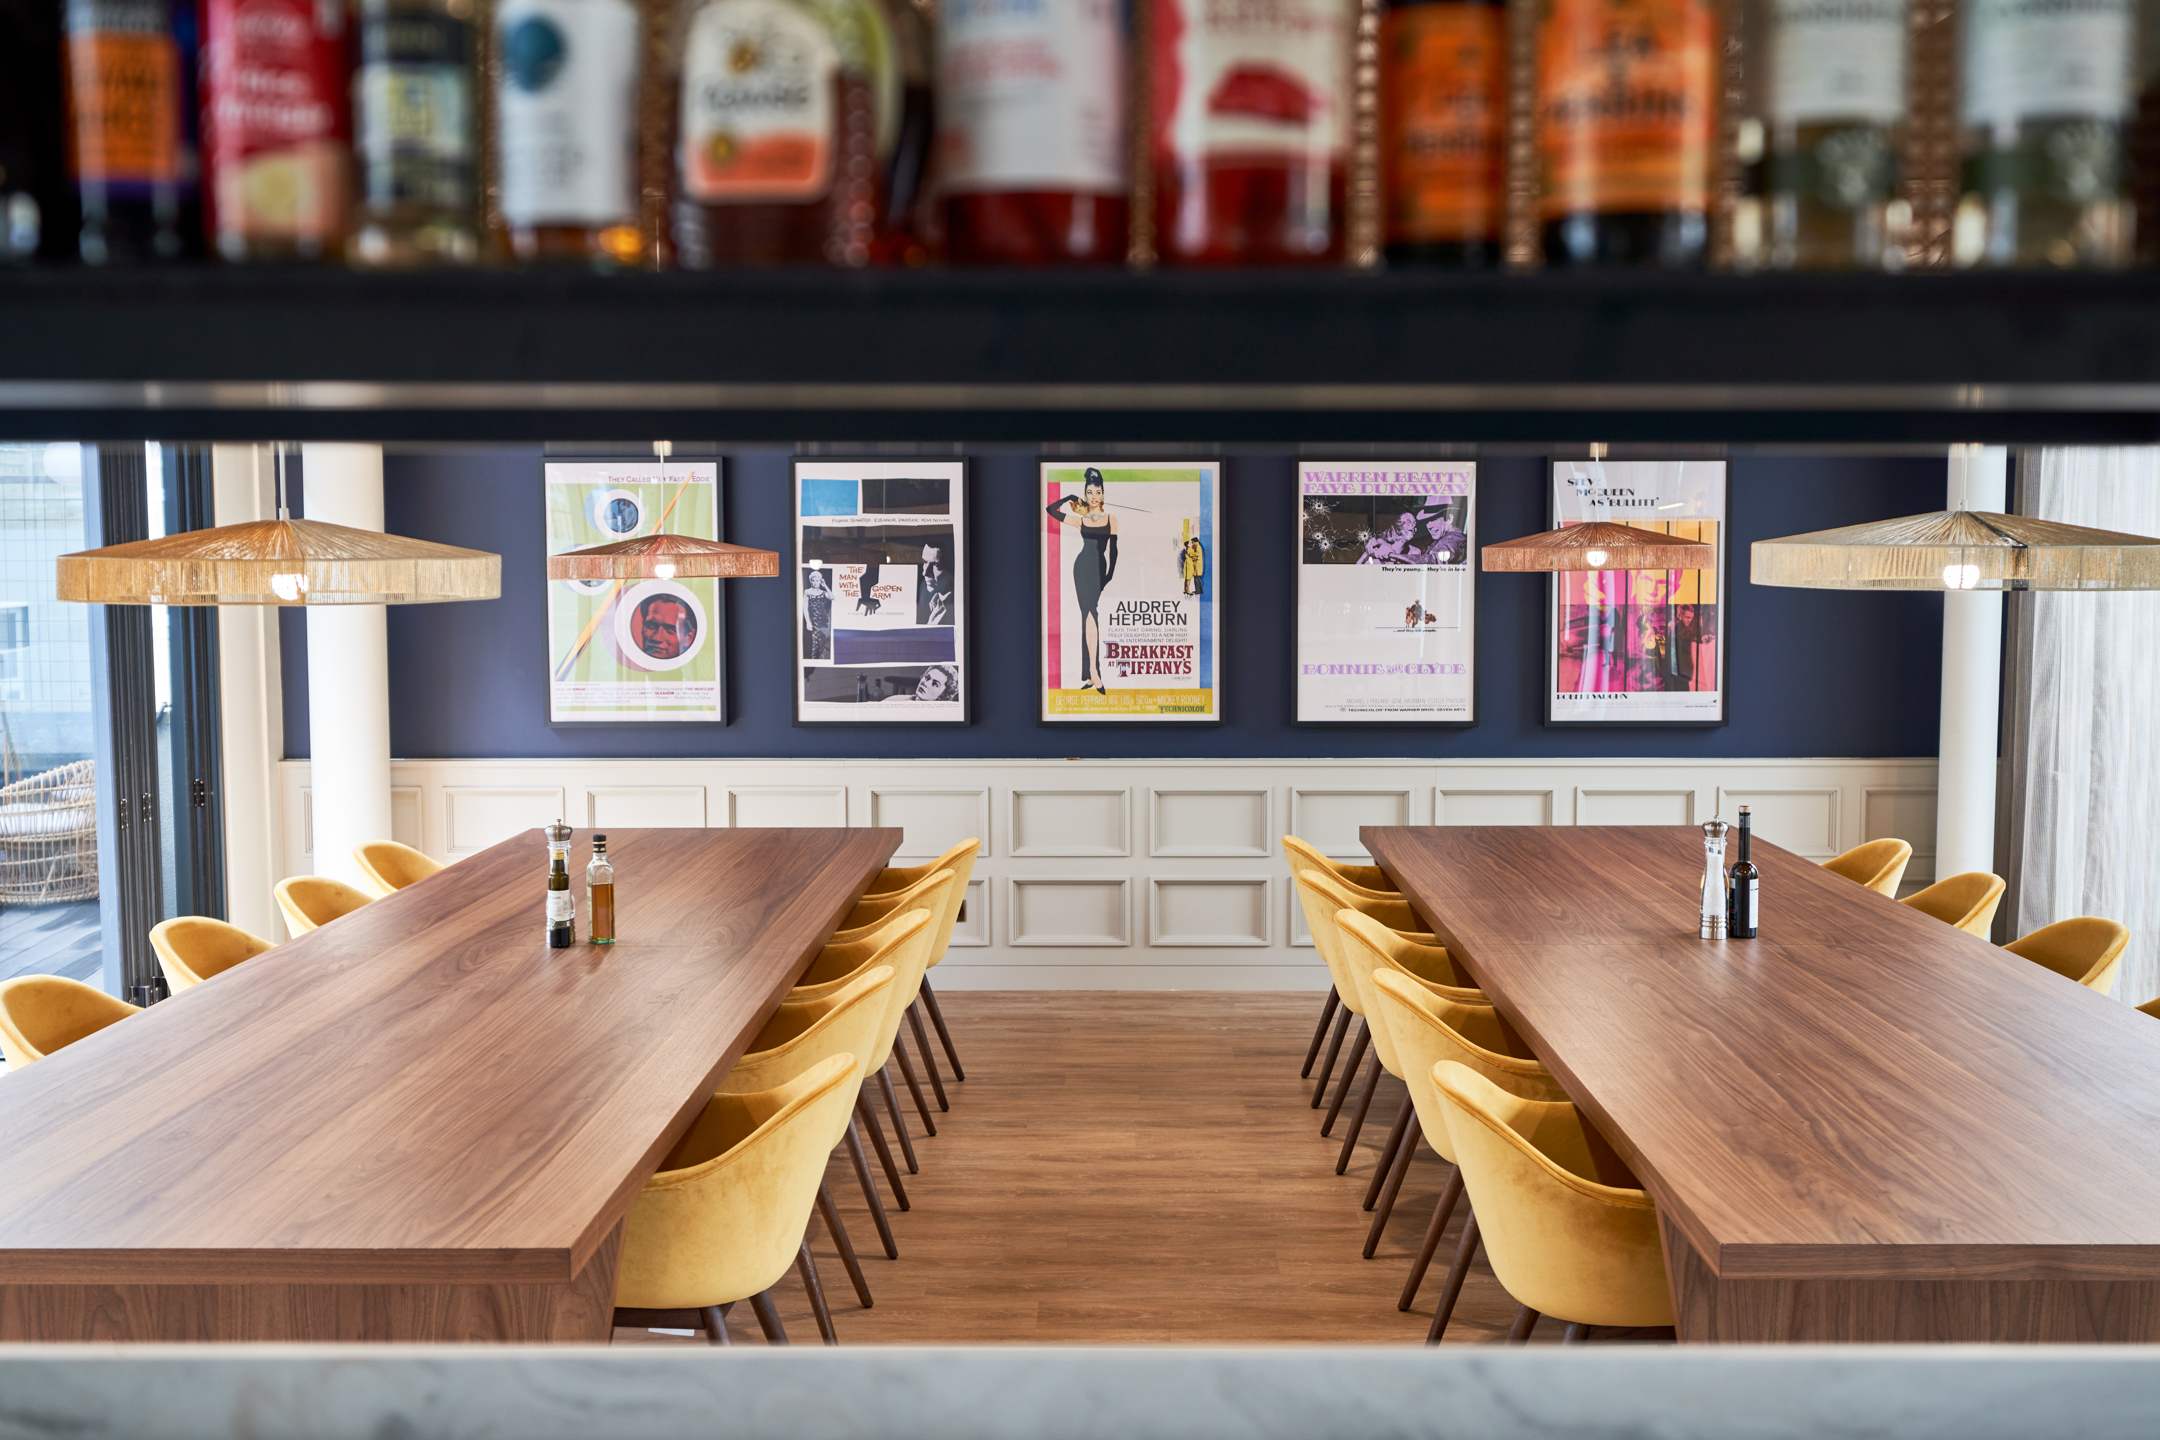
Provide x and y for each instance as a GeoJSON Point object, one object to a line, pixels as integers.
{"type": "Point", "coordinates": [1813, 672]}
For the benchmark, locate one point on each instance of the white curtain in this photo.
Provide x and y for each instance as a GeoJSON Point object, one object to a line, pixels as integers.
{"type": "Point", "coordinates": [2092, 765]}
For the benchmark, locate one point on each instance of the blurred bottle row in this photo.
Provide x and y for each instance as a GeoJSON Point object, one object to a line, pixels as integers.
{"type": "Point", "coordinates": [1758, 134]}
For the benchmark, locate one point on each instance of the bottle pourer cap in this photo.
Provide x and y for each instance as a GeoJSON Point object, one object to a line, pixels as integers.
{"type": "Point", "coordinates": [558, 835]}
{"type": "Point", "coordinates": [598, 839]}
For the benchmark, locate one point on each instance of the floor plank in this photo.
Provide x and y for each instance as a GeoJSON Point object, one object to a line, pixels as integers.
{"type": "Point", "coordinates": [1138, 1168]}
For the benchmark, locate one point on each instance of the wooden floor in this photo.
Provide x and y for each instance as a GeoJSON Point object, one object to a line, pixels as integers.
{"type": "Point", "coordinates": [51, 940]}
{"type": "Point", "coordinates": [1127, 1167]}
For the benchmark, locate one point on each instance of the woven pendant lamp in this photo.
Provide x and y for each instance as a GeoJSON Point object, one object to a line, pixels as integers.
{"type": "Point", "coordinates": [664, 557]}
{"type": "Point", "coordinates": [279, 562]}
{"type": "Point", "coordinates": [1599, 545]}
{"type": "Point", "coordinates": [1959, 550]}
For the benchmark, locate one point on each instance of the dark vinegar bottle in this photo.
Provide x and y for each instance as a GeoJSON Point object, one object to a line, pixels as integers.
{"type": "Point", "coordinates": [1031, 141]}
{"type": "Point", "coordinates": [127, 101]}
{"type": "Point", "coordinates": [1626, 129]}
{"type": "Point", "coordinates": [1443, 127]}
{"type": "Point", "coordinates": [1743, 889]}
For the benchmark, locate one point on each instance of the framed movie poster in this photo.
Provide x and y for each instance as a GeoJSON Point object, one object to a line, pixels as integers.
{"type": "Point", "coordinates": [1639, 647]}
{"type": "Point", "coordinates": [633, 651]}
{"type": "Point", "coordinates": [1386, 596]}
{"type": "Point", "coordinates": [1130, 570]}
{"type": "Point", "coordinates": [881, 593]}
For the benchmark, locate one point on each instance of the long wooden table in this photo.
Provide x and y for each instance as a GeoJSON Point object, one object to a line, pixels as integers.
{"type": "Point", "coordinates": [416, 1123]}
{"type": "Point", "coordinates": [1862, 1125]}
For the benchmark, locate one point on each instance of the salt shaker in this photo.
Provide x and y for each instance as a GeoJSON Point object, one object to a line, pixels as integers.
{"type": "Point", "coordinates": [1713, 885]}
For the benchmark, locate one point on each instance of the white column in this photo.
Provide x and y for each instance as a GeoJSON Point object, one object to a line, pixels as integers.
{"type": "Point", "coordinates": [1971, 684]}
{"type": "Point", "coordinates": [348, 675]}
{"type": "Point", "coordinates": [250, 706]}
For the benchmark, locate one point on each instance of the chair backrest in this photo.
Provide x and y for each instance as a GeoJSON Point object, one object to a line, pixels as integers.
{"type": "Point", "coordinates": [1879, 865]}
{"type": "Point", "coordinates": [43, 1013]}
{"type": "Point", "coordinates": [2086, 949]}
{"type": "Point", "coordinates": [391, 866]}
{"type": "Point", "coordinates": [725, 1215]}
{"type": "Point", "coordinates": [867, 914]}
{"type": "Point", "coordinates": [1425, 1029]}
{"type": "Point", "coordinates": [894, 878]}
{"type": "Point", "coordinates": [192, 948]}
{"type": "Point", "coordinates": [312, 901]}
{"type": "Point", "coordinates": [935, 893]}
{"type": "Point", "coordinates": [1324, 898]}
{"type": "Point", "coordinates": [1429, 965]}
{"type": "Point", "coordinates": [903, 943]}
{"type": "Point", "coordinates": [1967, 901]}
{"type": "Point", "coordinates": [963, 868]}
{"type": "Point", "coordinates": [803, 1032]}
{"type": "Point", "coordinates": [1369, 878]}
{"type": "Point", "coordinates": [1569, 1231]}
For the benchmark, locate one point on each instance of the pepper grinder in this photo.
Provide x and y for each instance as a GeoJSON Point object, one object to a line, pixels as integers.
{"type": "Point", "coordinates": [1713, 884]}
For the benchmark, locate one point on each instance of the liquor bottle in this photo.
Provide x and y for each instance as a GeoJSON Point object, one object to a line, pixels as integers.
{"type": "Point", "coordinates": [416, 133]}
{"type": "Point", "coordinates": [1744, 888]}
{"type": "Point", "coordinates": [33, 149]}
{"type": "Point", "coordinates": [776, 130]}
{"type": "Point", "coordinates": [561, 905]}
{"type": "Point", "coordinates": [1833, 108]}
{"type": "Point", "coordinates": [277, 128]}
{"type": "Point", "coordinates": [127, 106]}
{"type": "Point", "coordinates": [1249, 125]}
{"type": "Point", "coordinates": [1625, 108]}
{"type": "Point", "coordinates": [1443, 129]}
{"type": "Point", "coordinates": [564, 78]}
{"type": "Point", "coordinates": [2045, 102]}
{"type": "Point", "coordinates": [600, 893]}
{"type": "Point", "coordinates": [1030, 160]}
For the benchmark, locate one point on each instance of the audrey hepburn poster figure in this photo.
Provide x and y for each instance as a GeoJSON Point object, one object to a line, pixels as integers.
{"type": "Point", "coordinates": [1093, 568]}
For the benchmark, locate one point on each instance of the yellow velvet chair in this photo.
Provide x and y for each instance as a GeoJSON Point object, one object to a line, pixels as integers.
{"type": "Point", "coordinates": [1427, 1029]}
{"type": "Point", "coordinates": [1323, 897]}
{"type": "Point", "coordinates": [1368, 877]}
{"type": "Point", "coordinates": [726, 1215]}
{"type": "Point", "coordinates": [938, 892]}
{"type": "Point", "coordinates": [1879, 865]}
{"type": "Point", "coordinates": [43, 1013]}
{"type": "Point", "coordinates": [312, 901]}
{"type": "Point", "coordinates": [802, 1034]}
{"type": "Point", "coordinates": [390, 867]}
{"type": "Point", "coordinates": [192, 948]}
{"type": "Point", "coordinates": [961, 861]}
{"type": "Point", "coordinates": [1568, 1229]}
{"type": "Point", "coordinates": [2086, 949]}
{"type": "Point", "coordinates": [1967, 901]}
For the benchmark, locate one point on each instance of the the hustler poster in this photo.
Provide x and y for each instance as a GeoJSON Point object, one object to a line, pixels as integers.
{"type": "Point", "coordinates": [632, 650]}
{"type": "Point", "coordinates": [1386, 603]}
{"type": "Point", "coordinates": [880, 596]}
{"type": "Point", "coordinates": [1639, 647]}
{"type": "Point", "coordinates": [1131, 570]}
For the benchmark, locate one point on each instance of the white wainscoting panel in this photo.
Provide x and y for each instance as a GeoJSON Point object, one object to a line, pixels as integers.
{"type": "Point", "coordinates": [1067, 824]}
{"type": "Point", "coordinates": [1202, 899]}
{"type": "Point", "coordinates": [405, 825]}
{"type": "Point", "coordinates": [646, 807]}
{"type": "Point", "coordinates": [1215, 824]}
{"type": "Point", "coordinates": [1080, 911]}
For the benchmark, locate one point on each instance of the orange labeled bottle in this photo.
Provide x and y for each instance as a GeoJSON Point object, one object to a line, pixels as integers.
{"type": "Point", "coordinates": [1626, 108]}
{"type": "Point", "coordinates": [126, 119]}
{"type": "Point", "coordinates": [1443, 130]}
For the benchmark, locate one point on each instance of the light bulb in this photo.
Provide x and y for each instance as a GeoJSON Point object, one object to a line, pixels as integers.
{"type": "Point", "coordinates": [665, 569]}
{"type": "Point", "coordinates": [1961, 577]}
{"type": "Point", "coordinates": [1595, 557]}
{"type": "Point", "coordinates": [288, 587]}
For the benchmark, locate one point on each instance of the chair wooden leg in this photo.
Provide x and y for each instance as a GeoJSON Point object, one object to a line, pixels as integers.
{"type": "Point", "coordinates": [892, 1105]}
{"type": "Point", "coordinates": [1465, 1251]}
{"type": "Point", "coordinates": [1312, 1051]}
{"type": "Point", "coordinates": [870, 1190]}
{"type": "Point", "coordinates": [716, 1325]}
{"type": "Point", "coordinates": [838, 1231]}
{"type": "Point", "coordinates": [907, 1073]}
{"type": "Point", "coordinates": [929, 1061]}
{"type": "Point", "coordinates": [768, 1318]}
{"type": "Point", "coordinates": [1577, 1334]}
{"type": "Point", "coordinates": [806, 1266]}
{"type": "Point", "coordinates": [937, 1022]}
{"type": "Point", "coordinates": [1396, 1132]}
{"type": "Point", "coordinates": [1440, 1214]}
{"type": "Point", "coordinates": [1349, 1075]}
{"type": "Point", "coordinates": [1357, 1119]}
{"type": "Point", "coordinates": [1396, 1171]}
{"type": "Point", "coordinates": [1525, 1321]}
{"type": "Point", "coordinates": [1342, 1028]}
{"type": "Point", "coordinates": [864, 1113]}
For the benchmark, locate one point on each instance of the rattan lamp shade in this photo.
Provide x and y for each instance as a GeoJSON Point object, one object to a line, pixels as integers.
{"type": "Point", "coordinates": [664, 557]}
{"type": "Point", "coordinates": [279, 562]}
{"type": "Point", "coordinates": [1960, 550]}
{"type": "Point", "coordinates": [1614, 547]}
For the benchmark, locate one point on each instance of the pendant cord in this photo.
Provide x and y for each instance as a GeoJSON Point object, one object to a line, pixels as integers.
{"type": "Point", "coordinates": [278, 447]}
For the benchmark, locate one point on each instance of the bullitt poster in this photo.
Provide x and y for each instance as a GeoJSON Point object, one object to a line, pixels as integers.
{"type": "Point", "coordinates": [1130, 577]}
{"type": "Point", "coordinates": [1386, 603]}
{"type": "Point", "coordinates": [632, 651]}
